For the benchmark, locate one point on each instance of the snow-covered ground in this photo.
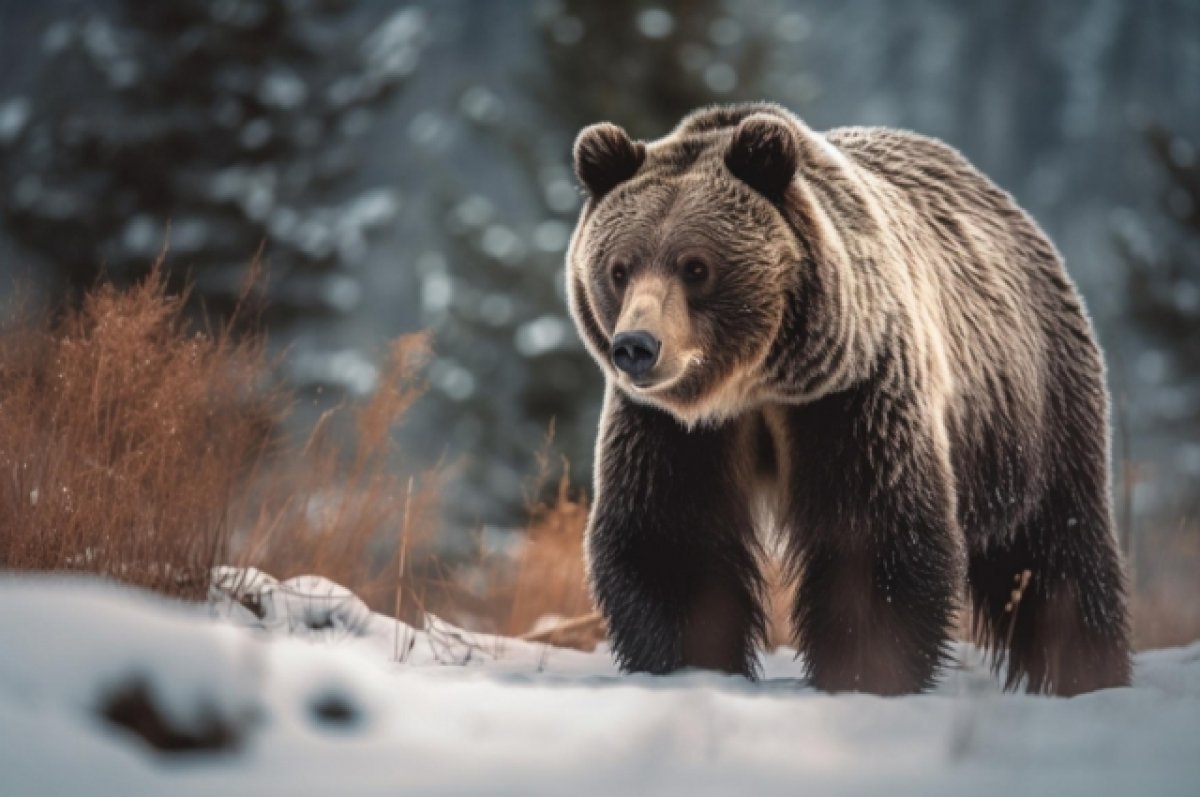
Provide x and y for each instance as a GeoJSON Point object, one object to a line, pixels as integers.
{"type": "Point", "coordinates": [289, 711]}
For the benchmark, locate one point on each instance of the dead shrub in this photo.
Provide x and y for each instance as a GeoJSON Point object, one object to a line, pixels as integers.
{"type": "Point", "coordinates": [124, 434]}
{"type": "Point", "coordinates": [339, 506]}
{"type": "Point", "coordinates": [536, 588]}
{"type": "Point", "coordinates": [137, 446]}
{"type": "Point", "coordinates": [549, 583]}
{"type": "Point", "coordinates": [1165, 601]}
{"type": "Point", "coordinates": [548, 572]}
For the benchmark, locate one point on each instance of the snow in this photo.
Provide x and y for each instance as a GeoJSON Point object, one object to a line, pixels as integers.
{"type": "Point", "coordinates": [335, 710]}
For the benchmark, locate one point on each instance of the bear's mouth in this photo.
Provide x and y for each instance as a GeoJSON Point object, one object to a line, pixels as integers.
{"type": "Point", "coordinates": [652, 383]}
{"type": "Point", "coordinates": [645, 384]}
{"type": "Point", "coordinates": [661, 379]}
{"type": "Point", "coordinates": [649, 385]}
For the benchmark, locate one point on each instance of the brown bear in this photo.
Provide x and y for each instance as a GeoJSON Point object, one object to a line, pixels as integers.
{"type": "Point", "coordinates": [857, 342]}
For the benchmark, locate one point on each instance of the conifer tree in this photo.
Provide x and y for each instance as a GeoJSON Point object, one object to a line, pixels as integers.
{"type": "Point", "coordinates": [217, 126]}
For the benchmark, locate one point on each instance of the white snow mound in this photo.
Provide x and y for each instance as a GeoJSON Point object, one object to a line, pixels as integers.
{"type": "Point", "coordinates": [305, 693]}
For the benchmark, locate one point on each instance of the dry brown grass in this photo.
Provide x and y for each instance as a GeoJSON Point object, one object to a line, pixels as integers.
{"type": "Point", "coordinates": [123, 437]}
{"type": "Point", "coordinates": [549, 585]}
{"type": "Point", "coordinates": [549, 577]}
{"type": "Point", "coordinates": [1166, 597]}
{"type": "Point", "coordinates": [138, 446]}
{"type": "Point", "coordinates": [338, 505]}
{"type": "Point", "coordinates": [537, 589]}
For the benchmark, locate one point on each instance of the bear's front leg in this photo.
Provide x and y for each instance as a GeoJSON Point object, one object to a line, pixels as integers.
{"type": "Point", "coordinates": [670, 544]}
{"type": "Point", "coordinates": [878, 554]}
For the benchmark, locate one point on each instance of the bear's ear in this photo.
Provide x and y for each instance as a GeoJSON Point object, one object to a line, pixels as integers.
{"type": "Point", "coordinates": [605, 157]}
{"type": "Point", "coordinates": [764, 154]}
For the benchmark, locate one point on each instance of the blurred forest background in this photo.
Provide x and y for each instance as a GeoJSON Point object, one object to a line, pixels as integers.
{"type": "Point", "coordinates": [405, 166]}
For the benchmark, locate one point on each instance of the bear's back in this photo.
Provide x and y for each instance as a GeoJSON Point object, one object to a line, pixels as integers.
{"type": "Point", "coordinates": [943, 193]}
{"type": "Point", "coordinates": [1012, 324]}
{"type": "Point", "coordinates": [1001, 284]}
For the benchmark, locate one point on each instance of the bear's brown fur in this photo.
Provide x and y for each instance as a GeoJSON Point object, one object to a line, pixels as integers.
{"type": "Point", "coordinates": [859, 333]}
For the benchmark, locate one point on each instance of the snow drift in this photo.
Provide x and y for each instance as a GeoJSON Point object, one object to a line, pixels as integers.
{"type": "Point", "coordinates": [105, 690]}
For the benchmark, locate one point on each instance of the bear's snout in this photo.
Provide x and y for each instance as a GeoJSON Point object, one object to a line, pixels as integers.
{"type": "Point", "coordinates": [635, 352]}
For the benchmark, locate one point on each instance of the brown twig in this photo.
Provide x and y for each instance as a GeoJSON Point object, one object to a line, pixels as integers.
{"type": "Point", "coordinates": [584, 622]}
{"type": "Point", "coordinates": [402, 558]}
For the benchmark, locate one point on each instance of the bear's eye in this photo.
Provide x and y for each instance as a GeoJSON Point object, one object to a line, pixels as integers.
{"type": "Point", "coordinates": [620, 275]}
{"type": "Point", "coordinates": [695, 272]}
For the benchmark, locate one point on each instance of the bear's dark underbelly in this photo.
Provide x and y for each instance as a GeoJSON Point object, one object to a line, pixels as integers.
{"type": "Point", "coordinates": [805, 454]}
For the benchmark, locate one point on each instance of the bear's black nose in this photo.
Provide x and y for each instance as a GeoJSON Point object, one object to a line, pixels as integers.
{"type": "Point", "coordinates": [635, 352]}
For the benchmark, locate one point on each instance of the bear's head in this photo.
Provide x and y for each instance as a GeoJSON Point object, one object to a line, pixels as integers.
{"type": "Point", "coordinates": [686, 253]}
